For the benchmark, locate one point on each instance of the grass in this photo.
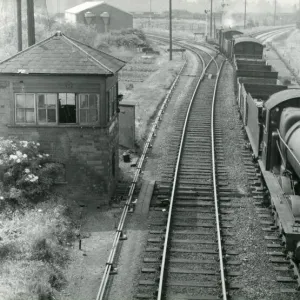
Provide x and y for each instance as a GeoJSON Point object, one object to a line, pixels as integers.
{"type": "Point", "coordinates": [34, 250]}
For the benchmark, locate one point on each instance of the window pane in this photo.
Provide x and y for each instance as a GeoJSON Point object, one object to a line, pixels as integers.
{"type": "Point", "coordinates": [71, 99]}
{"type": "Point", "coordinates": [67, 108]}
{"type": "Point", "coordinates": [93, 101]}
{"type": "Point", "coordinates": [62, 98]}
{"type": "Point", "coordinates": [20, 115]}
{"type": "Point", "coordinates": [84, 101]}
{"type": "Point", "coordinates": [20, 101]}
{"type": "Point", "coordinates": [83, 116]}
{"type": "Point", "coordinates": [52, 115]}
{"type": "Point", "coordinates": [41, 101]}
{"type": "Point", "coordinates": [51, 100]}
{"type": "Point", "coordinates": [29, 101]}
{"type": "Point", "coordinates": [42, 115]}
{"type": "Point", "coordinates": [93, 115]}
{"type": "Point", "coordinates": [29, 115]}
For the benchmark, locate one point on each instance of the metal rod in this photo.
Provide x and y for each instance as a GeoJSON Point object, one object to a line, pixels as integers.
{"type": "Point", "coordinates": [19, 22]}
{"type": "Point", "coordinates": [30, 23]}
{"type": "Point", "coordinates": [218, 221]}
{"type": "Point", "coordinates": [211, 20]}
{"type": "Point", "coordinates": [117, 234]}
{"type": "Point", "coordinates": [206, 31]}
{"type": "Point", "coordinates": [245, 14]}
{"type": "Point", "coordinates": [170, 27]}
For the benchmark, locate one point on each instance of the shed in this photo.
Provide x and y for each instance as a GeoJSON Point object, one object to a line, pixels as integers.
{"type": "Point", "coordinates": [64, 95]}
{"type": "Point", "coordinates": [104, 16]}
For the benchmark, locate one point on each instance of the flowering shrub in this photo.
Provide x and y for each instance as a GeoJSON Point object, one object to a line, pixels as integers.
{"type": "Point", "coordinates": [26, 172]}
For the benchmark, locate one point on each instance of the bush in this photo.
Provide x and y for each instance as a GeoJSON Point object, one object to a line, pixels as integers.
{"type": "Point", "coordinates": [26, 172]}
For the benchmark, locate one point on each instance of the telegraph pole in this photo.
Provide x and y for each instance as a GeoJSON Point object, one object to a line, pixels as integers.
{"type": "Point", "coordinates": [19, 24]}
{"type": "Point", "coordinates": [275, 13]}
{"type": "Point", "coordinates": [30, 23]}
{"type": "Point", "coordinates": [150, 11]}
{"type": "Point", "coordinates": [211, 19]}
{"type": "Point", "coordinates": [245, 14]}
{"type": "Point", "coordinates": [170, 27]}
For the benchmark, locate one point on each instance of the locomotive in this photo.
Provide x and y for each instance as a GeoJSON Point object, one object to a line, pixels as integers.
{"type": "Point", "coordinates": [270, 113]}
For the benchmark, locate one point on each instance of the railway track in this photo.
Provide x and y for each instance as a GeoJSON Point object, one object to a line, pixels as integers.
{"type": "Point", "coordinates": [190, 252]}
{"type": "Point", "coordinates": [185, 240]}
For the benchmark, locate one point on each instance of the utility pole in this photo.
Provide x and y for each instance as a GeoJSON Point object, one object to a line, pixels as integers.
{"type": "Point", "coordinates": [150, 16]}
{"type": "Point", "coordinates": [275, 13]}
{"type": "Point", "coordinates": [19, 24]}
{"type": "Point", "coordinates": [170, 27]}
{"type": "Point", "coordinates": [30, 23]}
{"type": "Point", "coordinates": [211, 20]}
{"type": "Point", "coordinates": [245, 14]}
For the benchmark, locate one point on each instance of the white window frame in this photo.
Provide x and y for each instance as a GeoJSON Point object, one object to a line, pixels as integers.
{"type": "Point", "coordinates": [79, 109]}
{"type": "Point", "coordinates": [34, 100]}
{"type": "Point", "coordinates": [37, 110]}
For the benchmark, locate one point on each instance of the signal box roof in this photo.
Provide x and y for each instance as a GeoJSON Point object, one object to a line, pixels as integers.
{"type": "Point", "coordinates": [61, 55]}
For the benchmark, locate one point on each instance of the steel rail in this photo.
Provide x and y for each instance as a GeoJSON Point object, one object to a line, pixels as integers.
{"type": "Point", "coordinates": [213, 155]}
{"type": "Point", "coordinates": [164, 256]}
{"type": "Point", "coordinates": [119, 231]}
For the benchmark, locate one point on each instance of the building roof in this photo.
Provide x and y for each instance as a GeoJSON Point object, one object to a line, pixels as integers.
{"type": "Point", "coordinates": [60, 55]}
{"type": "Point", "coordinates": [89, 5]}
{"type": "Point", "coordinates": [84, 6]}
{"type": "Point", "coordinates": [247, 39]}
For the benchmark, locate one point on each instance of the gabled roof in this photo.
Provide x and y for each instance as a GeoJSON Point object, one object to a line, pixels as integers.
{"type": "Point", "coordinates": [84, 6]}
{"type": "Point", "coordinates": [89, 5]}
{"type": "Point", "coordinates": [60, 55]}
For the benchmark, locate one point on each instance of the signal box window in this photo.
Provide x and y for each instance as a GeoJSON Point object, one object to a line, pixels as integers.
{"type": "Point", "coordinates": [88, 108]}
{"type": "Point", "coordinates": [67, 108]}
{"type": "Point", "coordinates": [47, 108]}
{"type": "Point", "coordinates": [25, 109]}
{"type": "Point", "coordinates": [56, 108]}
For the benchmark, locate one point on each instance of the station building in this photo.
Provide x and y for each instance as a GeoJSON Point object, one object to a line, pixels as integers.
{"type": "Point", "coordinates": [64, 95]}
{"type": "Point", "coordinates": [100, 14]}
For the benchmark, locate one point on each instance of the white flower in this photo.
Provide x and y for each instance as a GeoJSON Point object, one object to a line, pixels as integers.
{"type": "Point", "coordinates": [1, 197]}
{"type": "Point", "coordinates": [40, 166]}
{"type": "Point", "coordinates": [19, 153]}
{"type": "Point", "coordinates": [14, 157]}
{"type": "Point", "coordinates": [25, 155]}
{"type": "Point", "coordinates": [18, 160]}
{"type": "Point", "coordinates": [34, 179]}
{"type": "Point", "coordinates": [24, 143]}
{"type": "Point", "coordinates": [38, 144]}
{"type": "Point", "coordinates": [40, 210]}
{"type": "Point", "coordinates": [47, 155]}
{"type": "Point", "coordinates": [27, 171]}
{"type": "Point", "coordinates": [40, 156]}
